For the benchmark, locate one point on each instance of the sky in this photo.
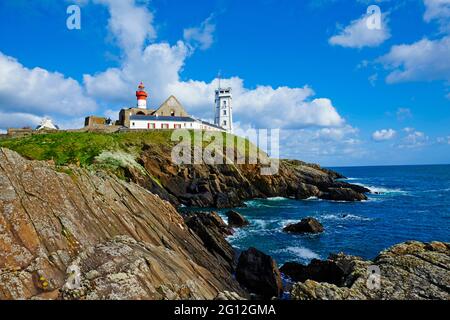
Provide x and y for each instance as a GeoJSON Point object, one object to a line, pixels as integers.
{"type": "Point", "coordinates": [342, 93]}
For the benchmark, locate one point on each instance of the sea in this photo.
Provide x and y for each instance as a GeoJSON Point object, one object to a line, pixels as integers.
{"type": "Point", "coordinates": [408, 203]}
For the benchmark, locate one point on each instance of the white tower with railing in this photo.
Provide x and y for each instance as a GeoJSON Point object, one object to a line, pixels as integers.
{"type": "Point", "coordinates": [223, 109]}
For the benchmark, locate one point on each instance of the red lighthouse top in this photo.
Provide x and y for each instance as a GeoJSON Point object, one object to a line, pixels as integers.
{"type": "Point", "coordinates": [141, 94]}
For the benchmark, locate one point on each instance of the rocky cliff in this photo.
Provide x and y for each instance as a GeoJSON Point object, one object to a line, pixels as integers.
{"type": "Point", "coordinates": [411, 270]}
{"type": "Point", "coordinates": [223, 186]}
{"type": "Point", "coordinates": [145, 158]}
{"type": "Point", "coordinates": [70, 233]}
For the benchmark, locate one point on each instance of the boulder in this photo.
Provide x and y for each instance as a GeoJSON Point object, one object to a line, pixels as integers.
{"type": "Point", "coordinates": [259, 273]}
{"type": "Point", "coordinates": [407, 271]}
{"type": "Point", "coordinates": [317, 270]}
{"type": "Point", "coordinates": [306, 225]}
{"type": "Point", "coordinates": [343, 194]}
{"type": "Point", "coordinates": [236, 220]}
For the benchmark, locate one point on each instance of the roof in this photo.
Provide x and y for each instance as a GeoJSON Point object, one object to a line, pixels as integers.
{"type": "Point", "coordinates": [161, 118]}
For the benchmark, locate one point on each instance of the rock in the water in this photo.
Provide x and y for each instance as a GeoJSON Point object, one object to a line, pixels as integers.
{"type": "Point", "coordinates": [306, 225]}
{"type": "Point", "coordinates": [259, 273]}
{"type": "Point", "coordinates": [411, 270]}
{"type": "Point", "coordinates": [317, 270]}
{"type": "Point", "coordinates": [236, 220]}
{"type": "Point", "coordinates": [343, 194]}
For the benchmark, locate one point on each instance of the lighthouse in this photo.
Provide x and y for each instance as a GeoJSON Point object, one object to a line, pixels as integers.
{"type": "Point", "coordinates": [223, 109]}
{"type": "Point", "coordinates": [141, 96]}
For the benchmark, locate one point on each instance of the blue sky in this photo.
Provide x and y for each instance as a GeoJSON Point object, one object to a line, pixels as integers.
{"type": "Point", "coordinates": [342, 94]}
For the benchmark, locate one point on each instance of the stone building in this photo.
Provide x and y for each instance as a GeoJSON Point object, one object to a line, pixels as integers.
{"type": "Point", "coordinates": [170, 115]}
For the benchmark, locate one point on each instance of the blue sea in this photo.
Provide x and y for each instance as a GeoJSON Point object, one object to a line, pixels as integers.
{"type": "Point", "coordinates": [413, 204]}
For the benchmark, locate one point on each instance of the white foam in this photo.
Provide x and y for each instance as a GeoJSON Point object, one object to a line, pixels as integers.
{"type": "Point", "coordinates": [277, 199]}
{"type": "Point", "coordinates": [236, 236]}
{"type": "Point", "coordinates": [300, 252]}
{"type": "Point", "coordinates": [381, 190]}
{"type": "Point", "coordinates": [344, 217]}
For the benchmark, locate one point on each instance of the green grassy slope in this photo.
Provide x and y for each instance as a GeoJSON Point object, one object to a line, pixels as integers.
{"type": "Point", "coordinates": [82, 148]}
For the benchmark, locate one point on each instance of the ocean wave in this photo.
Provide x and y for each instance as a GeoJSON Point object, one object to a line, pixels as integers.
{"type": "Point", "coordinates": [312, 198]}
{"type": "Point", "coordinates": [301, 252]}
{"type": "Point", "coordinates": [345, 217]}
{"type": "Point", "coordinates": [277, 199]}
{"type": "Point", "coordinates": [382, 190]}
{"type": "Point", "coordinates": [236, 236]}
{"type": "Point", "coordinates": [284, 223]}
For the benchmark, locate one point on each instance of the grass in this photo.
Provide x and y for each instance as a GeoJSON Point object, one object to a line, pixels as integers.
{"type": "Point", "coordinates": [84, 148]}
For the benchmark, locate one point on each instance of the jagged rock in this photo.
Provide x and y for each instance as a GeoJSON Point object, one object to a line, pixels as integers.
{"type": "Point", "coordinates": [317, 270]}
{"type": "Point", "coordinates": [227, 186]}
{"type": "Point", "coordinates": [306, 225]}
{"type": "Point", "coordinates": [236, 220]}
{"type": "Point", "coordinates": [126, 241]}
{"type": "Point", "coordinates": [259, 273]}
{"type": "Point", "coordinates": [411, 270]}
{"type": "Point", "coordinates": [210, 228]}
{"type": "Point", "coordinates": [226, 295]}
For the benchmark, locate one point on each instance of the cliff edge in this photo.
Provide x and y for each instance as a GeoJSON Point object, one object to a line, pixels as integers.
{"type": "Point", "coordinates": [83, 235]}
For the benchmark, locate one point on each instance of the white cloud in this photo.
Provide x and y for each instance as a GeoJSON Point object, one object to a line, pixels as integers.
{"type": "Point", "coordinates": [280, 107]}
{"type": "Point", "coordinates": [203, 36]}
{"type": "Point", "coordinates": [425, 60]}
{"type": "Point", "coordinates": [38, 91]}
{"type": "Point", "coordinates": [373, 79]}
{"type": "Point", "coordinates": [414, 139]}
{"type": "Point", "coordinates": [330, 145]}
{"type": "Point", "coordinates": [18, 120]}
{"type": "Point", "coordinates": [443, 140]}
{"type": "Point", "coordinates": [159, 66]}
{"type": "Point", "coordinates": [438, 10]}
{"type": "Point", "coordinates": [130, 23]}
{"type": "Point", "coordinates": [384, 135]}
{"type": "Point", "coordinates": [358, 35]}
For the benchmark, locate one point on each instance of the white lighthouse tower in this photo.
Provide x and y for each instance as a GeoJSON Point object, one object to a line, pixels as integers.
{"type": "Point", "coordinates": [223, 109]}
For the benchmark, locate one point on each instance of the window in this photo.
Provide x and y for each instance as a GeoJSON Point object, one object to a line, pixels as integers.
{"type": "Point", "coordinates": [151, 126]}
{"type": "Point", "coordinates": [177, 126]}
{"type": "Point", "coordinates": [172, 113]}
{"type": "Point", "coordinates": [224, 112]}
{"type": "Point", "coordinates": [224, 122]}
{"type": "Point", "coordinates": [133, 124]}
{"type": "Point", "coordinates": [225, 103]}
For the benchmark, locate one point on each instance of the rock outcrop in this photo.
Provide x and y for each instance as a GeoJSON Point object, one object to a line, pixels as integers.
{"type": "Point", "coordinates": [259, 273]}
{"type": "Point", "coordinates": [112, 239]}
{"type": "Point", "coordinates": [306, 225]}
{"type": "Point", "coordinates": [210, 228]}
{"type": "Point", "coordinates": [318, 270]}
{"type": "Point", "coordinates": [411, 270]}
{"type": "Point", "coordinates": [236, 220]}
{"type": "Point", "coordinates": [229, 185]}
